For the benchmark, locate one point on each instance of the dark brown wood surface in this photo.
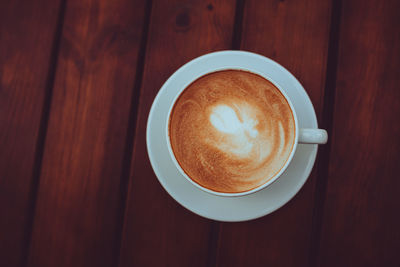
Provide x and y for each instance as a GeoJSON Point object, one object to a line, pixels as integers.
{"type": "Point", "coordinates": [79, 204]}
{"type": "Point", "coordinates": [77, 82]}
{"type": "Point", "coordinates": [361, 219]}
{"type": "Point", "coordinates": [27, 39]}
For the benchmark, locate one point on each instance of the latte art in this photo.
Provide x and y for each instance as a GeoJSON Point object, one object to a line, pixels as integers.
{"type": "Point", "coordinates": [231, 131]}
{"type": "Point", "coordinates": [240, 136]}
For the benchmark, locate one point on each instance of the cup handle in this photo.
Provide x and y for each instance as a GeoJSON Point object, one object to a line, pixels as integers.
{"type": "Point", "coordinates": [313, 136]}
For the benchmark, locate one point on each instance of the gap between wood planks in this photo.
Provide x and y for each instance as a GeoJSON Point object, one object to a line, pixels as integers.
{"type": "Point", "coordinates": [322, 166]}
{"type": "Point", "coordinates": [130, 135]}
{"type": "Point", "coordinates": [37, 167]}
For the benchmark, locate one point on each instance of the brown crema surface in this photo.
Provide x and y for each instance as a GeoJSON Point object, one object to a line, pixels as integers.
{"type": "Point", "coordinates": [231, 131]}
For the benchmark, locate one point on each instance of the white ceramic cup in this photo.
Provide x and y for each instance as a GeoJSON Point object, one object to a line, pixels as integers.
{"type": "Point", "coordinates": [225, 60]}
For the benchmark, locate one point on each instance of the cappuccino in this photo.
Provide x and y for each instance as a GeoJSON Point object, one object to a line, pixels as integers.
{"type": "Point", "coordinates": [231, 131]}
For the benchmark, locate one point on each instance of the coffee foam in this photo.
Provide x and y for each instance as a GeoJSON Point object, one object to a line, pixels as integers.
{"type": "Point", "coordinates": [231, 131]}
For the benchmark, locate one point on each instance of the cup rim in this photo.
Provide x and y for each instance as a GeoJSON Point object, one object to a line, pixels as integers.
{"type": "Point", "coordinates": [197, 76]}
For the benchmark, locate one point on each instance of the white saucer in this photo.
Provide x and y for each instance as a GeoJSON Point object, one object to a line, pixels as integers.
{"type": "Point", "coordinates": [230, 209]}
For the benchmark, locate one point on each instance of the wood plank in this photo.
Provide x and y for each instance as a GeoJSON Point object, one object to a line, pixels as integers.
{"type": "Point", "coordinates": [361, 215]}
{"type": "Point", "coordinates": [295, 34]}
{"type": "Point", "coordinates": [27, 37]}
{"type": "Point", "coordinates": [158, 231]}
{"type": "Point", "coordinates": [80, 199]}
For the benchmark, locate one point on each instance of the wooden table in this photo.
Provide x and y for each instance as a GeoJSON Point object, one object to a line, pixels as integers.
{"type": "Point", "coordinates": [77, 82]}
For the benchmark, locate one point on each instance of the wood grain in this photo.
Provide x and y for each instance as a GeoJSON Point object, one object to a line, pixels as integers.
{"type": "Point", "coordinates": [27, 36]}
{"type": "Point", "coordinates": [295, 34]}
{"type": "Point", "coordinates": [158, 231]}
{"type": "Point", "coordinates": [78, 215]}
{"type": "Point", "coordinates": [361, 216]}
